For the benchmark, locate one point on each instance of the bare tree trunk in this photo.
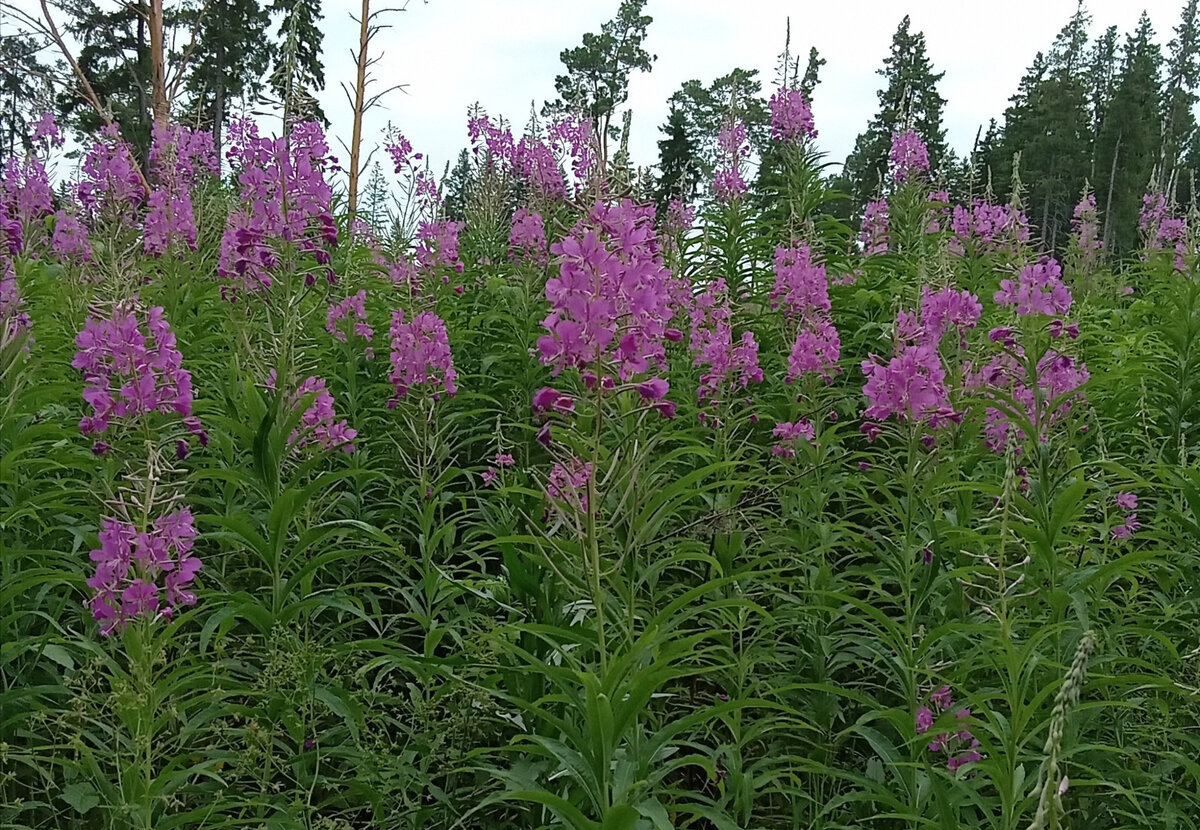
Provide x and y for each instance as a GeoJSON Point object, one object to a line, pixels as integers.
{"type": "Point", "coordinates": [360, 94]}
{"type": "Point", "coordinates": [160, 105]}
{"type": "Point", "coordinates": [1112, 175]}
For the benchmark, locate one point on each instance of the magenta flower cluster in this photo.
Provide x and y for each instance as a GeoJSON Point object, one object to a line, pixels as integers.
{"type": "Point", "coordinates": [1039, 289]}
{"type": "Point", "coordinates": [1153, 212]}
{"type": "Point", "coordinates": [318, 423]}
{"type": "Point", "coordinates": [1085, 224]}
{"type": "Point", "coordinates": [129, 373]}
{"type": "Point", "coordinates": [912, 386]}
{"type": "Point", "coordinates": [437, 248]}
{"type": "Point", "coordinates": [572, 137]}
{"type": "Point", "coordinates": [491, 475]}
{"type": "Point", "coordinates": [1042, 402]}
{"type": "Point", "coordinates": [732, 151]}
{"type": "Point", "coordinates": [985, 228]}
{"type": "Point", "coordinates": [533, 160]}
{"type": "Point", "coordinates": [178, 158]}
{"type": "Point", "coordinates": [1128, 503]}
{"type": "Point", "coordinates": [611, 301]}
{"type": "Point", "coordinates": [802, 290]}
{"type": "Point", "coordinates": [875, 230]}
{"type": "Point", "coordinates": [13, 321]}
{"type": "Point", "coordinates": [25, 192]}
{"type": "Point", "coordinates": [110, 188]}
{"type": "Point", "coordinates": [421, 355]}
{"type": "Point", "coordinates": [143, 574]}
{"type": "Point", "coordinates": [679, 218]}
{"type": "Point", "coordinates": [70, 239]}
{"type": "Point", "coordinates": [726, 366]}
{"type": "Point", "coordinates": [285, 198]}
{"type": "Point", "coordinates": [354, 310]}
{"type": "Point", "coordinates": [567, 486]}
{"type": "Point", "coordinates": [527, 241]}
{"type": "Point", "coordinates": [960, 746]}
{"type": "Point", "coordinates": [909, 157]}
{"type": "Point", "coordinates": [789, 435]}
{"type": "Point", "coordinates": [414, 174]}
{"type": "Point", "coordinates": [791, 117]}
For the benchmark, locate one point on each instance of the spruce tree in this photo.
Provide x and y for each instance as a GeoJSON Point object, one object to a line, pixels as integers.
{"type": "Point", "coordinates": [229, 59]}
{"type": "Point", "coordinates": [1129, 142]}
{"type": "Point", "coordinates": [25, 91]}
{"type": "Point", "coordinates": [908, 100]}
{"type": "Point", "coordinates": [1179, 96]}
{"type": "Point", "coordinates": [299, 73]}
{"type": "Point", "coordinates": [677, 162]}
{"type": "Point", "coordinates": [456, 185]}
{"type": "Point", "coordinates": [115, 56]}
{"type": "Point", "coordinates": [1050, 124]}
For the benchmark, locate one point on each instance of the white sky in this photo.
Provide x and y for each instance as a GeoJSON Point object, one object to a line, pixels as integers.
{"type": "Point", "coordinates": [504, 54]}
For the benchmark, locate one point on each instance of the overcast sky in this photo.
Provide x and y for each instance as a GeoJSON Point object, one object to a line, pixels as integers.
{"type": "Point", "coordinates": [504, 54]}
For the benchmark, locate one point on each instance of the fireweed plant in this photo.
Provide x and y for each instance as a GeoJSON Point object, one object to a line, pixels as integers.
{"type": "Point", "coordinates": [538, 509]}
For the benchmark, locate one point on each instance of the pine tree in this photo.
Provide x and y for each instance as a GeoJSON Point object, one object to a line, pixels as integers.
{"type": "Point", "coordinates": [1129, 142]}
{"type": "Point", "coordinates": [456, 185]}
{"type": "Point", "coordinates": [25, 90]}
{"type": "Point", "coordinates": [677, 162]}
{"type": "Point", "coordinates": [1050, 124]}
{"type": "Point", "coordinates": [376, 200]}
{"type": "Point", "coordinates": [299, 73]}
{"type": "Point", "coordinates": [909, 100]}
{"type": "Point", "coordinates": [115, 57]}
{"type": "Point", "coordinates": [812, 73]}
{"type": "Point", "coordinates": [596, 82]}
{"type": "Point", "coordinates": [1183, 74]}
{"type": "Point", "coordinates": [1101, 74]}
{"type": "Point", "coordinates": [705, 108]}
{"type": "Point", "coordinates": [229, 59]}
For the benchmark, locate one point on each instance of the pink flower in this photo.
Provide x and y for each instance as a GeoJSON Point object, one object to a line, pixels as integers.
{"type": "Point", "coordinates": [909, 156]}
{"type": "Point", "coordinates": [129, 373]}
{"type": "Point", "coordinates": [13, 321]}
{"type": "Point", "coordinates": [527, 242]}
{"type": "Point", "coordinates": [1039, 290]}
{"type": "Point", "coordinates": [353, 309]}
{"type": "Point", "coordinates": [318, 423]}
{"type": "Point", "coordinates": [653, 389]}
{"type": "Point", "coordinates": [987, 228]}
{"type": "Point", "coordinates": [421, 355]}
{"type": "Point", "coordinates": [1126, 501]}
{"type": "Point", "coordinates": [875, 232]}
{"type": "Point", "coordinates": [611, 301]}
{"type": "Point", "coordinates": [274, 174]}
{"type": "Point", "coordinates": [503, 459]}
{"type": "Point", "coordinates": [110, 189]}
{"type": "Point", "coordinates": [549, 399]}
{"type": "Point", "coordinates": [910, 387]}
{"type": "Point", "coordinates": [789, 435]}
{"type": "Point", "coordinates": [791, 117]}
{"type": "Point", "coordinates": [924, 720]}
{"type": "Point", "coordinates": [1058, 378]}
{"type": "Point", "coordinates": [728, 366]}
{"type": "Point", "coordinates": [567, 486]}
{"type": "Point", "coordinates": [139, 574]}
{"type": "Point", "coordinates": [732, 150]}
{"type": "Point", "coordinates": [490, 476]}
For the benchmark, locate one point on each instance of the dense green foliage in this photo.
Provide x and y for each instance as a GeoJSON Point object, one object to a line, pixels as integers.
{"type": "Point", "coordinates": [779, 605]}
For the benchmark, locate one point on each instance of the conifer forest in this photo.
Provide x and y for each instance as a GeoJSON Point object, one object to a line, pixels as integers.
{"type": "Point", "coordinates": [744, 488]}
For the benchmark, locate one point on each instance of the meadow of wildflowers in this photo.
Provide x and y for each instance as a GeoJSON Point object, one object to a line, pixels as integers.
{"type": "Point", "coordinates": [568, 514]}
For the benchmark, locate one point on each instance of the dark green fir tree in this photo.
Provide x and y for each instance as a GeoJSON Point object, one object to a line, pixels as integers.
{"type": "Point", "coordinates": [909, 99]}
